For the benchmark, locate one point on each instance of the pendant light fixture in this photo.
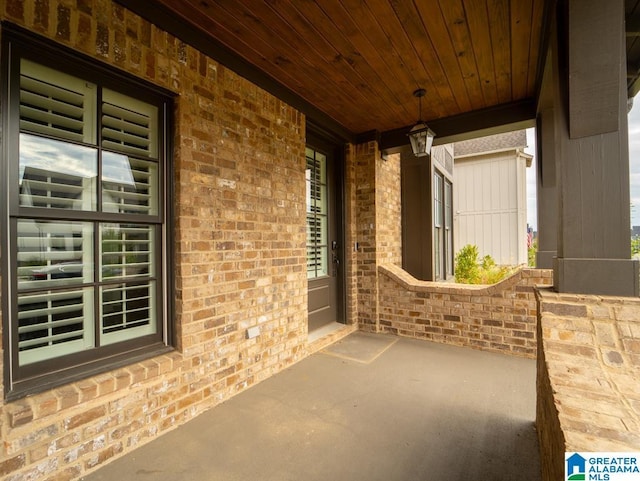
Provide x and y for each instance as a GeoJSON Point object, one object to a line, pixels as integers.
{"type": "Point", "coordinates": [420, 135]}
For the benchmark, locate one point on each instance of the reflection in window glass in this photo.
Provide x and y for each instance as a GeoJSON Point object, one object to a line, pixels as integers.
{"type": "Point", "coordinates": [129, 186]}
{"type": "Point", "coordinates": [54, 254]}
{"type": "Point", "coordinates": [127, 250]}
{"type": "Point", "coordinates": [57, 175]}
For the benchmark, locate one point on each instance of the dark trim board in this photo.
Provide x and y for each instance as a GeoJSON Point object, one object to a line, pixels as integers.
{"type": "Point", "coordinates": [489, 121]}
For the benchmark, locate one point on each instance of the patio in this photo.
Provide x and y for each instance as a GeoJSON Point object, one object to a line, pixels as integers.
{"type": "Point", "coordinates": [369, 407]}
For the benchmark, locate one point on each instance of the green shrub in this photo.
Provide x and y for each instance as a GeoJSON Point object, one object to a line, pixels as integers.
{"type": "Point", "coordinates": [469, 271]}
{"type": "Point", "coordinates": [494, 274]}
{"type": "Point", "coordinates": [635, 246]}
{"type": "Point", "coordinates": [488, 263]}
{"type": "Point", "coordinates": [532, 253]}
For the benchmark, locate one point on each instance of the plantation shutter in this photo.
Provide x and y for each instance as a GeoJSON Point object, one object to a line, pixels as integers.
{"type": "Point", "coordinates": [129, 125]}
{"type": "Point", "coordinates": [52, 254]}
{"type": "Point", "coordinates": [130, 180]}
{"type": "Point", "coordinates": [56, 104]}
{"type": "Point", "coordinates": [87, 220]}
{"type": "Point", "coordinates": [52, 324]}
{"type": "Point", "coordinates": [127, 253]}
{"type": "Point", "coordinates": [317, 215]}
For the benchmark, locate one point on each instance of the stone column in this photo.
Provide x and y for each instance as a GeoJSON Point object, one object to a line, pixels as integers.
{"type": "Point", "coordinates": [590, 108]}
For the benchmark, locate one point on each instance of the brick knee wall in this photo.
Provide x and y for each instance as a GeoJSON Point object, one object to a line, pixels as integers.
{"type": "Point", "coordinates": [550, 434]}
{"type": "Point", "coordinates": [499, 318]}
{"type": "Point", "coordinates": [588, 376]}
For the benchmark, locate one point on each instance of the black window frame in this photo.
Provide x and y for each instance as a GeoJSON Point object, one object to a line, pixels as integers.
{"type": "Point", "coordinates": [19, 381]}
{"type": "Point", "coordinates": [443, 258]}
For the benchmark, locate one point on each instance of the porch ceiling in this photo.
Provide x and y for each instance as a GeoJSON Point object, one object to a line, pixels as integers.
{"type": "Point", "coordinates": [355, 63]}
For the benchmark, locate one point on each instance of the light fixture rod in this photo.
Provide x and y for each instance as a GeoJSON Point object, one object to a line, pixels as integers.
{"type": "Point", "coordinates": [419, 93]}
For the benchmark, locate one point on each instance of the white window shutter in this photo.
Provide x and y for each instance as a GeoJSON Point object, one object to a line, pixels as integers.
{"type": "Point", "coordinates": [129, 125]}
{"type": "Point", "coordinates": [56, 104]}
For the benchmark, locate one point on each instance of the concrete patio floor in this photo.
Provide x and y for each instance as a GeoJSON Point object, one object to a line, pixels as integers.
{"type": "Point", "coordinates": [368, 408]}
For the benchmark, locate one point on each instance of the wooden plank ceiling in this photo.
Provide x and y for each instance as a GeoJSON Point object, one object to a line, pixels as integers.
{"type": "Point", "coordinates": [358, 61]}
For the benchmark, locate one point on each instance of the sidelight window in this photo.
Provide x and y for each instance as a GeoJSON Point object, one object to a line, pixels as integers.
{"type": "Point", "coordinates": [317, 215]}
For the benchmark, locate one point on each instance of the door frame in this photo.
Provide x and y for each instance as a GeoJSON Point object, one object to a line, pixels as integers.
{"type": "Point", "coordinates": [335, 149]}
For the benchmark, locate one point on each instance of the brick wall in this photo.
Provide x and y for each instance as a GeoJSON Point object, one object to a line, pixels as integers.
{"type": "Point", "coordinates": [240, 252]}
{"type": "Point", "coordinates": [388, 211]}
{"type": "Point", "coordinates": [500, 317]}
{"type": "Point", "coordinates": [378, 225]}
{"type": "Point", "coordinates": [351, 236]}
{"type": "Point", "coordinates": [588, 376]}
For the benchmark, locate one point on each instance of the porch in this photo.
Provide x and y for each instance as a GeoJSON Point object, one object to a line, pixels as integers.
{"type": "Point", "coordinates": [369, 407]}
{"type": "Point", "coordinates": [234, 264]}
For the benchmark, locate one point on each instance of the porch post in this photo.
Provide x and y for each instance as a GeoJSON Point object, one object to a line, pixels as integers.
{"type": "Point", "coordinates": [379, 229]}
{"type": "Point", "coordinates": [546, 189]}
{"type": "Point", "coordinates": [590, 105]}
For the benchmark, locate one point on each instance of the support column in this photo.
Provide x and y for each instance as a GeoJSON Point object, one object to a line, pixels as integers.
{"type": "Point", "coordinates": [590, 107]}
{"type": "Point", "coordinates": [417, 216]}
{"type": "Point", "coordinates": [547, 191]}
{"type": "Point", "coordinates": [378, 217]}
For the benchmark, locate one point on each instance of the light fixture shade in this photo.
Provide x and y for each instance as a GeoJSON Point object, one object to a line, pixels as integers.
{"type": "Point", "coordinates": [421, 137]}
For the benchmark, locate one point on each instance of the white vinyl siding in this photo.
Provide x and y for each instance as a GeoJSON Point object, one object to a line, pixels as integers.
{"type": "Point", "coordinates": [490, 206]}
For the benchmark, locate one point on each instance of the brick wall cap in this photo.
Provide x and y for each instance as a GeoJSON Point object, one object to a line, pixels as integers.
{"type": "Point", "coordinates": [407, 281]}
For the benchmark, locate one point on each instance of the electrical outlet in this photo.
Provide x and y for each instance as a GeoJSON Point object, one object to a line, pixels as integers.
{"type": "Point", "coordinates": [253, 332]}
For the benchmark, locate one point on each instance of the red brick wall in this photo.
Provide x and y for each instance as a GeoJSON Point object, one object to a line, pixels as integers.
{"type": "Point", "coordinates": [588, 376]}
{"type": "Point", "coordinates": [500, 317]}
{"type": "Point", "coordinates": [240, 251]}
{"type": "Point", "coordinates": [378, 226]}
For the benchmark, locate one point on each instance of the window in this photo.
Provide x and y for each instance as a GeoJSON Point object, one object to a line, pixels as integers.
{"type": "Point", "coordinates": [85, 168]}
{"type": "Point", "coordinates": [437, 225]}
{"type": "Point", "coordinates": [448, 227]}
{"type": "Point", "coordinates": [442, 227]}
{"type": "Point", "coordinates": [317, 215]}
